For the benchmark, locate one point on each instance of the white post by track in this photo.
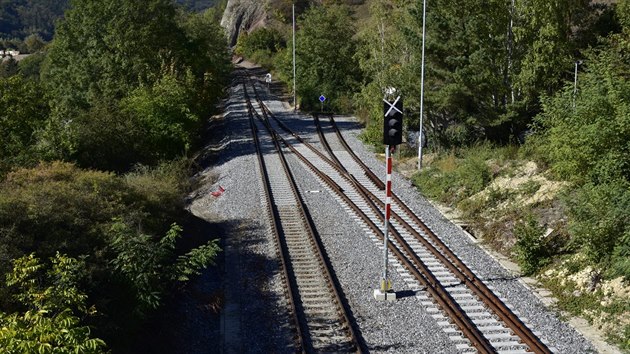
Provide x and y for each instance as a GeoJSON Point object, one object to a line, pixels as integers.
{"type": "Point", "coordinates": [385, 291]}
{"type": "Point", "coordinates": [420, 140]}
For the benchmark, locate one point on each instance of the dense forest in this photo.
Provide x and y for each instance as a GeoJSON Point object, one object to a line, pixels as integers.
{"type": "Point", "coordinates": [97, 130]}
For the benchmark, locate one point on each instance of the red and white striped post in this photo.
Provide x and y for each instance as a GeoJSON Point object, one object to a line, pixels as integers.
{"type": "Point", "coordinates": [385, 293]}
{"type": "Point", "coordinates": [392, 136]}
{"type": "Point", "coordinates": [385, 283]}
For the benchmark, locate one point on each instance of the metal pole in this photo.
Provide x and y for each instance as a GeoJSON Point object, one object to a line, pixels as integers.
{"type": "Point", "coordinates": [385, 285]}
{"type": "Point", "coordinates": [294, 79]}
{"type": "Point", "coordinates": [575, 77]}
{"type": "Point", "coordinates": [420, 142]}
{"type": "Point", "coordinates": [577, 62]}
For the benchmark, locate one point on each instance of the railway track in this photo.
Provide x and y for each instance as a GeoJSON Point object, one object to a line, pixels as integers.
{"type": "Point", "coordinates": [320, 317]}
{"type": "Point", "coordinates": [506, 332]}
{"type": "Point", "coordinates": [471, 308]}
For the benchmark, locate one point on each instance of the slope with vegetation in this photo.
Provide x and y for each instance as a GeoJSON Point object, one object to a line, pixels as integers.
{"type": "Point", "coordinates": [94, 168]}
{"type": "Point", "coordinates": [538, 167]}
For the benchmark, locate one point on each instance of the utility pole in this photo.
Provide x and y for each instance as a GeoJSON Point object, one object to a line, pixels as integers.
{"type": "Point", "coordinates": [577, 62]}
{"type": "Point", "coordinates": [294, 79]}
{"type": "Point", "coordinates": [420, 141]}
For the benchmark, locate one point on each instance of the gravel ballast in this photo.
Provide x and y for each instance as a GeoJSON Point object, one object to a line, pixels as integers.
{"type": "Point", "coordinates": [254, 317]}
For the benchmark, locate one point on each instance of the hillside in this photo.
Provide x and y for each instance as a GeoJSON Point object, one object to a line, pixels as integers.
{"type": "Point", "coordinates": [21, 18]}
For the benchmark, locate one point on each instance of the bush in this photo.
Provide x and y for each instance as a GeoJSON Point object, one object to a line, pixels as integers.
{"type": "Point", "coordinates": [326, 56]}
{"type": "Point", "coordinates": [114, 224]}
{"type": "Point", "coordinates": [599, 217]}
{"type": "Point", "coordinates": [621, 257]}
{"type": "Point", "coordinates": [56, 207]}
{"type": "Point", "coordinates": [453, 178]}
{"type": "Point", "coordinates": [51, 323]}
{"type": "Point", "coordinates": [268, 40]}
{"type": "Point", "coordinates": [587, 134]}
{"type": "Point", "coordinates": [149, 265]}
{"type": "Point", "coordinates": [264, 58]}
{"type": "Point", "coordinates": [531, 249]}
{"type": "Point", "coordinates": [22, 113]}
{"type": "Point", "coordinates": [164, 117]}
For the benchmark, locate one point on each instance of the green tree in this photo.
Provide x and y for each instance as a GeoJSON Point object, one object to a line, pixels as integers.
{"type": "Point", "coordinates": [325, 58]}
{"type": "Point", "coordinates": [51, 322]}
{"type": "Point", "coordinates": [588, 134]}
{"type": "Point", "coordinates": [22, 18]}
{"type": "Point", "coordinates": [34, 43]}
{"type": "Point", "coordinates": [22, 113]}
{"type": "Point", "coordinates": [545, 42]}
{"type": "Point", "coordinates": [487, 62]}
{"type": "Point", "coordinates": [584, 137]}
{"type": "Point", "coordinates": [164, 115]}
{"type": "Point", "coordinates": [149, 266]}
{"type": "Point", "coordinates": [8, 67]}
{"type": "Point", "coordinates": [30, 66]}
{"type": "Point", "coordinates": [136, 77]}
{"type": "Point", "coordinates": [385, 60]}
{"type": "Point", "coordinates": [102, 50]}
{"type": "Point", "coordinates": [263, 39]}
{"type": "Point", "coordinates": [208, 59]}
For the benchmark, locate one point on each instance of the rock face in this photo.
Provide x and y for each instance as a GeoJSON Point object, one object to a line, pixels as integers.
{"type": "Point", "coordinates": [243, 15]}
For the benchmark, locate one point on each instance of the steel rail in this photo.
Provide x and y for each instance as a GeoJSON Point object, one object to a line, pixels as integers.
{"type": "Point", "coordinates": [282, 252]}
{"type": "Point", "coordinates": [473, 283]}
{"type": "Point", "coordinates": [448, 257]}
{"type": "Point", "coordinates": [424, 276]}
{"type": "Point", "coordinates": [343, 310]}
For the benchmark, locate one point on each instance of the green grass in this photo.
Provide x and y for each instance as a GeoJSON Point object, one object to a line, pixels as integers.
{"type": "Point", "coordinates": [456, 175]}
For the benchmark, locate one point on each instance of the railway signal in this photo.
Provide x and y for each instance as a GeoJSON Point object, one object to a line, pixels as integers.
{"type": "Point", "coordinates": [392, 136]}
{"type": "Point", "coordinates": [393, 121]}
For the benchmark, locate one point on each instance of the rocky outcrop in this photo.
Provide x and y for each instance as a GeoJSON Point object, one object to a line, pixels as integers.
{"type": "Point", "coordinates": [243, 15]}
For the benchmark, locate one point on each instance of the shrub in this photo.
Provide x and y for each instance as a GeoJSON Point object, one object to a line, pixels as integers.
{"type": "Point", "coordinates": [149, 265]}
{"type": "Point", "coordinates": [128, 264]}
{"type": "Point", "coordinates": [164, 117]}
{"type": "Point", "coordinates": [56, 207]}
{"type": "Point", "coordinates": [621, 257]}
{"type": "Point", "coordinates": [22, 113]}
{"type": "Point", "coordinates": [263, 39]}
{"type": "Point", "coordinates": [51, 323]}
{"type": "Point", "coordinates": [599, 215]}
{"type": "Point", "coordinates": [451, 178]}
{"type": "Point", "coordinates": [531, 250]}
